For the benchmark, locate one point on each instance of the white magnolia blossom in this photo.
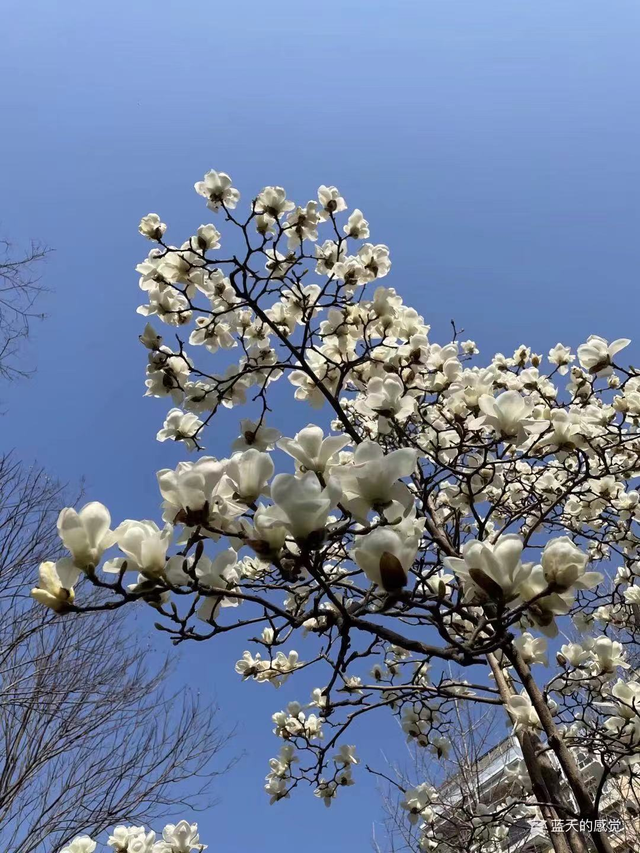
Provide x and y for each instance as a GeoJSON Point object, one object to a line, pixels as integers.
{"type": "Point", "coordinates": [443, 512]}
{"type": "Point", "coordinates": [190, 487]}
{"type": "Point", "coordinates": [220, 573]}
{"type": "Point", "coordinates": [387, 553]}
{"type": "Point", "coordinates": [132, 839]}
{"type": "Point", "coordinates": [563, 565]}
{"type": "Point", "coordinates": [417, 802]}
{"type": "Point", "coordinates": [596, 355]}
{"type": "Point", "coordinates": [533, 649]}
{"type": "Point", "coordinates": [181, 426]}
{"type": "Point", "coordinates": [562, 357]}
{"type": "Point", "coordinates": [304, 502]}
{"type": "Point", "coordinates": [86, 533]}
{"type": "Point", "coordinates": [257, 435]}
{"type": "Point", "coordinates": [627, 695]}
{"type": "Point", "coordinates": [311, 449]}
{"type": "Point", "coordinates": [373, 481]}
{"type": "Point", "coordinates": [55, 584]}
{"type": "Point", "coordinates": [608, 655]}
{"type": "Point", "coordinates": [519, 775]}
{"type": "Point", "coordinates": [510, 415]}
{"type": "Point", "coordinates": [331, 201]}
{"type": "Point", "coordinates": [357, 226]}
{"type": "Point", "coordinates": [181, 837]}
{"type": "Point", "coordinates": [273, 203]}
{"type": "Point", "coordinates": [491, 570]}
{"type": "Point", "coordinates": [216, 188]}
{"type": "Point", "coordinates": [632, 595]}
{"type": "Point", "coordinates": [574, 654]}
{"type": "Point", "coordinates": [81, 844]}
{"type": "Point", "coordinates": [250, 472]}
{"type": "Point", "coordinates": [144, 545]}
{"type": "Point", "coordinates": [269, 530]}
{"type": "Point", "coordinates": [151, 227]}
{"type": "Point", "coordinates": [523, 713]}
{"type": "Point", "coordinates": [387, 397]}
{"type": "Point", "coordinates": [275, 671]}
{"type": "Point", "coordinates": [624, 722]}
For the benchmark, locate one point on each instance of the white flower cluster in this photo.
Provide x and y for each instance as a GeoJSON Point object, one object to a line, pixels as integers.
{"type": "Point", "coordinates": [181, 837]}
{"type": "Point", "coordinates": [495, 571]}
{"type": "Point", "coordinates": [625, 720]}
{"type": "Point", "coordinates": [275, 671]}
{"type": "Point", "coordinates": [343, 762]}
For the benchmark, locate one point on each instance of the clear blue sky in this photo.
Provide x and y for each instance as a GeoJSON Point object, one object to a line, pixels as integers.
{"type": "Point", "coordinates": [493, 145]}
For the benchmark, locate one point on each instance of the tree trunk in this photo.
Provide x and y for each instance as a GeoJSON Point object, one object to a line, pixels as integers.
{"type": "Point", "coordinates": [550, 814]}
{"type": "Point", "coordinates": [588, 810]}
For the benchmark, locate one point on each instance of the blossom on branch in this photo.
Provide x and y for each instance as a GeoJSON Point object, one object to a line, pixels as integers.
{"type": "Point", "coordinates": [181, 837]}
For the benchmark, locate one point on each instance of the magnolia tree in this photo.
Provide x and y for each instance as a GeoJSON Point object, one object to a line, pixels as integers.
{"type": "Point", "coordinates": [176, 838]}
{"type": "Point", "coordinates": [447, 515]}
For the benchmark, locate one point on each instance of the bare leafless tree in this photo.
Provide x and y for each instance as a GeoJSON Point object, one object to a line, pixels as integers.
{"type": "Point", "coordinates": [456, 777]}
{"type": "Point", "coordinates": [89, 735]}
{"type": "Point", "coordinates": [20, 288]}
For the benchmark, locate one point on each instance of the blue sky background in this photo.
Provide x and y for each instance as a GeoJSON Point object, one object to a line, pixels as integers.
{"type": "Point", "coordinates": [493, 146]}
